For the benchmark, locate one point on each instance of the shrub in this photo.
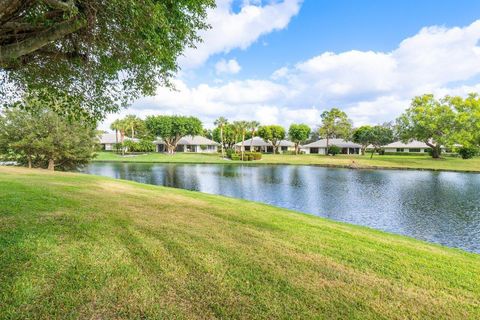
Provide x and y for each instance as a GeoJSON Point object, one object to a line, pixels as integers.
{"type": "Point", "coordinates": [333, 150]}
{"type": "Point", "coordinates": [229, 153]}
{"type": "Point", "coordinates": [234, 156]}
{"type": "Point", "coordinates": [144, 146]}
{"type": "Point", "coordinates": [467, 152]}
{"type": "Point", "coordinates": [203, 147]}
{"type": "Point", "coordinates": [257, 156]}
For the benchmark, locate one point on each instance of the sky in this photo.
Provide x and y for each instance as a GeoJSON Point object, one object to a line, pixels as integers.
{"type": "Point", "coordinates": [286, 61]}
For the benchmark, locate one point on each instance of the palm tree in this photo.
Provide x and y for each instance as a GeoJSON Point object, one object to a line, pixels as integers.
{"type": "Point", "coordinates": [119, 125]}
{"type": "Point", "coordinates": [220, 123]}
{"type": "Point", "coordinates": [241, 127]}
{"type": "Point", "coordinates": [132, 122]}
{"type": "Point", "coordinates": [115, 126]}
{"type": "Point", "coordinates": [253, 126]}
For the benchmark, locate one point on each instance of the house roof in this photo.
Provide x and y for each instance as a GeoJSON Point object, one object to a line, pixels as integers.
{"type": "Point", "coordinates": [259, 142]}
{"type": "Point", "coordinates": [322, 143]}
{"type": "Point", "coordinates": [192, 140]}
{"type": "Point", "coordinates": [410, 144]}
{"type": "Point", "coordinates": [109, 138]}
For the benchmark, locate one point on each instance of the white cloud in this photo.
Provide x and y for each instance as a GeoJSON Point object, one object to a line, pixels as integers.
{"type": "Point", "coordinates": [231, 30]}
{"type": "Point", "coordinates": [231, 66]}
{"type": "Point", "coordinates": [372, 87]}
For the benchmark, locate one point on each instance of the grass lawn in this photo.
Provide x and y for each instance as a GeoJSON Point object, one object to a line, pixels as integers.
{"type": "Point", "coordinates": [389, 161]}
{"type": "Point", "coordinates": [79, 246]}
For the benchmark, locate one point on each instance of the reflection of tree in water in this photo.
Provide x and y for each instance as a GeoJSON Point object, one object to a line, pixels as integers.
{"type": "Point", "coordinates": [271, 174]}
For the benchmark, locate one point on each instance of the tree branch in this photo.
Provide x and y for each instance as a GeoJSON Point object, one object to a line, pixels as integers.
{"type": "Point", "coordinates": [67, 6]}
{"type": "Point", "coordinates": [29, 45]}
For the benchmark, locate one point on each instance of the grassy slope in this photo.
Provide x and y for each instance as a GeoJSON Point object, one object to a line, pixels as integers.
{"type": "Point", "coordinates": [78, 246]}
{"type": "Point", "coordinates": [411, 162]}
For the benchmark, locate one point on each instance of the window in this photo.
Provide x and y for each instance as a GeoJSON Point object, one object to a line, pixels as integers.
{"type": "Point", "coordinates": [400, 150]}
{"type": "Point", "coordinates": [313, 150]}
{"type": "Point", "coordinates": [426, 150]}
{"type": "Point", "coordinates": [284, 148]}
{"type": "Point", "coordinates": [414, 150]}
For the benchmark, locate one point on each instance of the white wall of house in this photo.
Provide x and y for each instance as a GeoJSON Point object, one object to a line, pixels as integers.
{"type": "Point", "coordinates": [406, 150]}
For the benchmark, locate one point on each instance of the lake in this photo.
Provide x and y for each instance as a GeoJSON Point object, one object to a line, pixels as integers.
{"type": "Point", "coordinates": [440, 207]}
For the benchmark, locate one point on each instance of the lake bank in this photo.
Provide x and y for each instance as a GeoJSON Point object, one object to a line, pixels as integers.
{"type": "Point", "coordinates": [439, 207]}
{"type": "Point", "coordinates": [404, 162]}
{"type": "Point", "coordinates": [114, 249]}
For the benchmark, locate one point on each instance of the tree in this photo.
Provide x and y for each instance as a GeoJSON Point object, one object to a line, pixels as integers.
{"type": "Point", "coordinates": [335, 124]}
{"type": "Point", "coordinates": [103, 53]}
{"type": "Point", "coordinates": [228, 136]}
{"type": "Point", "coordinates": [273, 134]}
{"type": "Point", "coordinates": [467, 122]}
{"type": "Point", "coordinates": [241, 128]}
{"type": "Point", "coordinates": [220, 124]}
{"type": "Point", "coordinates": [45, 139]}
{"type": "Point", "coordinates": [119, 125]}
{"type": "Point", "coordinates": [133, 124]}
{"type": "Point", "coordinates": [363, 136]}
{"type": "Point", "coordinates": [172, 128]}
{"type": "Point", "coordinates": [298, 133]}
{"type": "Point", "coordinates": [428, 120]}
{"type": "Point", "coordinates": [380, 136]}
{"type": "Point", "coordinates": [252, 126]}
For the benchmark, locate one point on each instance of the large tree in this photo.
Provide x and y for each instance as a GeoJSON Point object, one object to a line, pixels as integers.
{"type": "Point", "coordinates": [172, 128]}
{"type": "Point", "coordinates": [298, 133]}
{"type": "Point", "coordinates": [45, 139]}
{"type": "Point", "coordinates": [103, 53]}
{"type": "Point", "coordinates": [428, 120]}
{"type": "Point", "coordinates": [363, 136]}
{"type": "Point", "coordinates": [467, 121]}
{"type": "Point", "coordinates": [335, 124]}
{"type": "Point", "coordinates": [227, 135]}
{"type": "Point", "coordinates": [273, 134]}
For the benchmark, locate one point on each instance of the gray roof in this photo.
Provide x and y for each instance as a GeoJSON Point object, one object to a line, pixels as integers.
{"type": "Point", "coordinates": [192, 140]}
{"type": "Point", "coordinates": [410, 144]}
{"type": "Point", "coordinates": [322, 143]}
{"type": "Point", "coordinates": [109, 138]}
{"type": "Point", "coordinates": [259, 142]}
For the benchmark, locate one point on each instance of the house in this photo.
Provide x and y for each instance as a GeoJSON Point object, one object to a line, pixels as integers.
{"type": "Point", "coordinates": [190, 144]}
{"type": "Point", "coordinates": [107, 141]}
{"type": "Point", "coordinates": [320, 146]}
{"type": "Point", "coordinates": [413, 146]}
{"type": "Point", "coordinates": [257, 144]}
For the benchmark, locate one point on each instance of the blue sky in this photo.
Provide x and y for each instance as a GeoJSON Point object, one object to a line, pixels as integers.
{"type": "Point", "coordinates": [277, 60]}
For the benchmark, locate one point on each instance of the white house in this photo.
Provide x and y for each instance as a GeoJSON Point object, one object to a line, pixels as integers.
{"type": "Point", "coordinates": [108, 140]}
{"type": "Point", "coordinates": [320, 146]}
{"type": "Point", "coordinates": [410, 147]}
{"type": "Point", "coordinates": [257, 144]}
{"type": "Point", "coordinates": [190, 144]}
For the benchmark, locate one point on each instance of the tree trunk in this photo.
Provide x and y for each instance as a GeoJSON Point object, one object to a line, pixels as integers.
{"type": "Point", "coordinates": [51, 165]}
{"type": "Point", "coordinates": [327, 151]}
{"type": "Point", "coordinates": [363, 150]}
{"type": "Point", "coordinates": [29, 162]}
{"type": "Point", "coordinates": [243, 145]}
{"type": "Point", "coordinates": [296, 148]}
{"type": "Point", "coordinates": [133, 132]}
{"type": "Point", "coordinates": [221, 139]}
{"type": "Point", "coordinates": [373, 150]}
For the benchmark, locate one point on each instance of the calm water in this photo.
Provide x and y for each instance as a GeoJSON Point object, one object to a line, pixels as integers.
{"type": "Point", "coordinates": [441, 207]}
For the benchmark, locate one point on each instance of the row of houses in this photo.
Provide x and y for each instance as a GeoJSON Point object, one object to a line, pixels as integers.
{"type": "Point", "coordinates": [201, 144]}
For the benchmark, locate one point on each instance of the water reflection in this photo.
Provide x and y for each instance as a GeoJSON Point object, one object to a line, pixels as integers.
{"type": "Point", "coordinates": [441, 207]}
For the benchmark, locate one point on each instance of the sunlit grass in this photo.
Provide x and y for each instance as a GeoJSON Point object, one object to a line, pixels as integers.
{"type": "Point", "coordinates": [80, 246]}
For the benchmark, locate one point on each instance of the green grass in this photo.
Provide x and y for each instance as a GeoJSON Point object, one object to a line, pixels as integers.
{"type": "Point", "coordinates": [78, 246]}
{"type": "Point", "coordinates": [423, 162]}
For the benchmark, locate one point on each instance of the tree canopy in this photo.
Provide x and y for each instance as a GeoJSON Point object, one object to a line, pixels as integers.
{"type": "Point", "coordinates": [273, 133]}
{"type": "Point", "coordinates": [428, 120]}
{"type": "Point", "coordinates": [172, 128]}
{"type": "Point", "coordinates": [102, 54]}
{"type": "Point", "coordinates": [298, 133]}
{"type": "Point", "coordinates": [335, 124]}
{"type": "Point", "coordinates": [45, 139]}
